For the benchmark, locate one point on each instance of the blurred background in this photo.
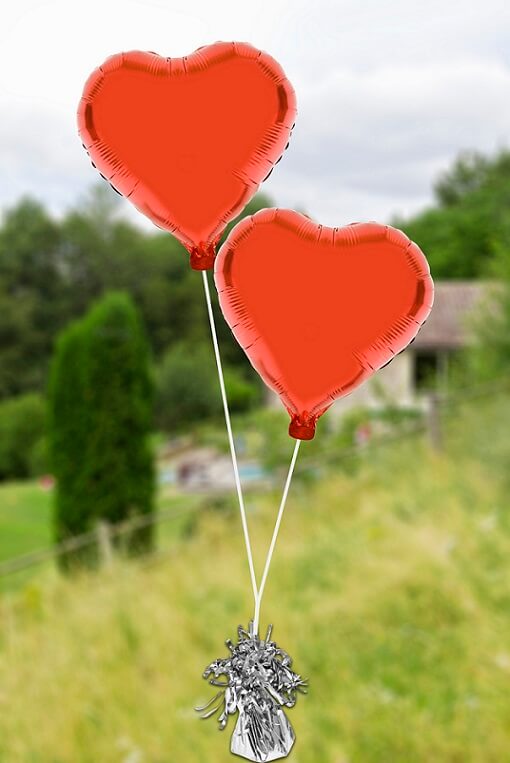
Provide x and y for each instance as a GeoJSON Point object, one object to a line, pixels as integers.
{"type": "Point", "coordinates": [120, 581]}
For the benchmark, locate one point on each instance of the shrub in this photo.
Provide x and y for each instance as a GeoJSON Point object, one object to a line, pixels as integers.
{"type": "Point", "coordinates": [242, 394]}
{"type": "Point", "coordinates": [22, 428]}
{"type": "Point", "coordinates": [187, 387]}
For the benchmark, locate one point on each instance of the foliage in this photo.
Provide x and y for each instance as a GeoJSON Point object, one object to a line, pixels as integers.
{"type": "Point", "coordinates": [52, 271]}
{"type": "Point", "coordinates": [101, 404]}
{"type": "Point", "coordinates": [29, 296]}
{"type": "Point", "coordinates": [273, 446]}
{"type": "Point", "coordinates": [22, 431]}
{"type": "Point", "coordinates": [68, 433]}
{"type": "Point", "coordinates": [187, 387]}
{"type": "Point", "coordinates": [468, 174]}
{"type": "Point", "coordinates": [470, 219]}
{"type": "Point", "coordinates": [242, 394]}
{"type": "Point", "coordinates": [118, 458]}
{"type": "Point", "coordinates": [489, 357]}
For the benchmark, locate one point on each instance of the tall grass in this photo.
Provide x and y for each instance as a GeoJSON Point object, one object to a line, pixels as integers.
{"type": "Point", "coordinates": [390, 587]}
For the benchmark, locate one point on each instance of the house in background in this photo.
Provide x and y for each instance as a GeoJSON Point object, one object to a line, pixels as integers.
{"type": "Point", "coordinates": [424, 366]}
{"type": "Point", "coordinates": [448, 329]}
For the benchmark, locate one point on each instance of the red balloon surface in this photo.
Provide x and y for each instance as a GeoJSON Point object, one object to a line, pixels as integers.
{"type": "Point", "coordinates": [188, 140]}
{"type": "Point", "coordinates": [318, 310]}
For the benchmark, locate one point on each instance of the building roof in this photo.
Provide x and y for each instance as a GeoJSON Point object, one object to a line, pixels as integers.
{"type": "Point", "coordinates": [448, 325]}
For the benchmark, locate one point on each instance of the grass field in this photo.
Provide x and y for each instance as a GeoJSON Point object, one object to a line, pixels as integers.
{"type": "Point", "coordinates": [390, 587]}
{"type": "Point", "coordinates": [24, 519]}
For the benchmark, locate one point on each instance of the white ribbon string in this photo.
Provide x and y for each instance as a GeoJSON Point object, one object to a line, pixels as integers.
{"type": "Point", "coordinates": [257, 592]}
{"type": "Point", "coordinates": [230, 436]}
{"type": "Point", "coordinates": [258, 600]}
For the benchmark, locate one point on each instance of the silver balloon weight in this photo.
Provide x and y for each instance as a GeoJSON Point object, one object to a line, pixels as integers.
{"type": "Point", "coordinates": [256, 681]}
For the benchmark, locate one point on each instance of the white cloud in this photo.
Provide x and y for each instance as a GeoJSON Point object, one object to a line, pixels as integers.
{"type": "Point", "coordinates": [388, 93]}
{"type": "Point", "coordinates": [369, 143]}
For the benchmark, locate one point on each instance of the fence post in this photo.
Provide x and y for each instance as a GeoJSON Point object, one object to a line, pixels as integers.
{"type": "Point", "coordinates": [434, 427]}
{"type": "Point", "coordinates": [104, 543]}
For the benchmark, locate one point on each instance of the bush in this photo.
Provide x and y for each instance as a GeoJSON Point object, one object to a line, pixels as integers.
{"type": "Point", "coordinates": [187, 387]}
{"type": "Point", "coordinates": [274, 447]}
{"type": "Point", "coordinates": [22, 430]}
{"type": "Point", "coordinates": [242, 395]}
{"type": "Point", "coordinates": [488, 359]}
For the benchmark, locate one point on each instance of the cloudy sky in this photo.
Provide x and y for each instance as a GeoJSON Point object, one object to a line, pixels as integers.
{"type": "Point", "coordinates": [389, 91]}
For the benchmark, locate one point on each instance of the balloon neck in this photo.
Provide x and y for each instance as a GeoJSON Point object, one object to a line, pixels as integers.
{"type": "Point", "coordinates": [202, 257]}
{"type": "Point", "coordinates": [302, 427]}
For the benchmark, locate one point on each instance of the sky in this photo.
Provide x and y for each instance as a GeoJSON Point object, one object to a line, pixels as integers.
{"type": "Point", "coordinates": [388, 91]}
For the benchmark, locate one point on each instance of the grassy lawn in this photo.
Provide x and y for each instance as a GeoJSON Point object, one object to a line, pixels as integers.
{"type": "Point", "coordinates": [25, 518]}
{"type": "Point", "coordinates": [25, 521]}
{"type": "Point", "coordinates": [389, 588]}
{"type": "Point", "coordinates": [25, 526]}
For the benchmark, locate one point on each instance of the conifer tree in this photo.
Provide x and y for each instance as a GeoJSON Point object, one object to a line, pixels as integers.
{"type": "Point", "coordinates": [101, 414]}
{"type": "Point", "coordinates": [68, 427]}
{"type": "Point", "coordinates": [118, 458]}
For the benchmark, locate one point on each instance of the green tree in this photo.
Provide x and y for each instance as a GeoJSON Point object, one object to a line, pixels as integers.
{"type": "Point", "coordinates": [243, 394]}
{"type": "Point", "coordinates": [30, 296]}
{"type": "Point", "coordinates": [468, 173]}
{"type": "Point", "coordinates": [461, 232]}
{"type": "Point", "coordinates": [489, 358]}
{"type": "Point", "coordinates": [101, 413]}
{"type": "Point", "coordinates": [69, 428]}
{"type": "Point", "coordinates": [231, 352]}
{"type": "Point", "coordinates": [187, 387]}
{"type": "Point", "coordinates": [118, 458]}
{"type": "Point", "coordinates": [51, 272]}
{"type": "Point", "coordinates": [22, 430]}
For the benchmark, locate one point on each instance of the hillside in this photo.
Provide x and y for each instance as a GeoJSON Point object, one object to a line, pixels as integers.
{"type": "Point", "coordinates": [389, 588]}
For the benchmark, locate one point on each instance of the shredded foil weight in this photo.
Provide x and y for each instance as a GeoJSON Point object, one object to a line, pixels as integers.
{"type": "Point", "coordinates": [256, 681]}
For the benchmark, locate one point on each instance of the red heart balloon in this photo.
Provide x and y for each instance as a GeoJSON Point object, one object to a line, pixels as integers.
{"type": "Point", "coordinates": [316, 309]}
{"type": "Point", "coordinates": [188, 140]}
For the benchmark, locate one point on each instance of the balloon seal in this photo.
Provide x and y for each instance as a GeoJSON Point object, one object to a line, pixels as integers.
{"type": "Point", "coordinates": [202, 257]}
{"type": "Point", "coordinates": [302, 427]}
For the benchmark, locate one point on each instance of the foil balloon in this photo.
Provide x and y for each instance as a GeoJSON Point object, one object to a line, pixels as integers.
{"type": "Point", "coordinates": [318, 310]}
{"type": "Point", "coordinates": [188, 140]}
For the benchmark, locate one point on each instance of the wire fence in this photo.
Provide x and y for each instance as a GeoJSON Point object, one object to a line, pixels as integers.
{"type": "Point", "coordinates": [105, 537]}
